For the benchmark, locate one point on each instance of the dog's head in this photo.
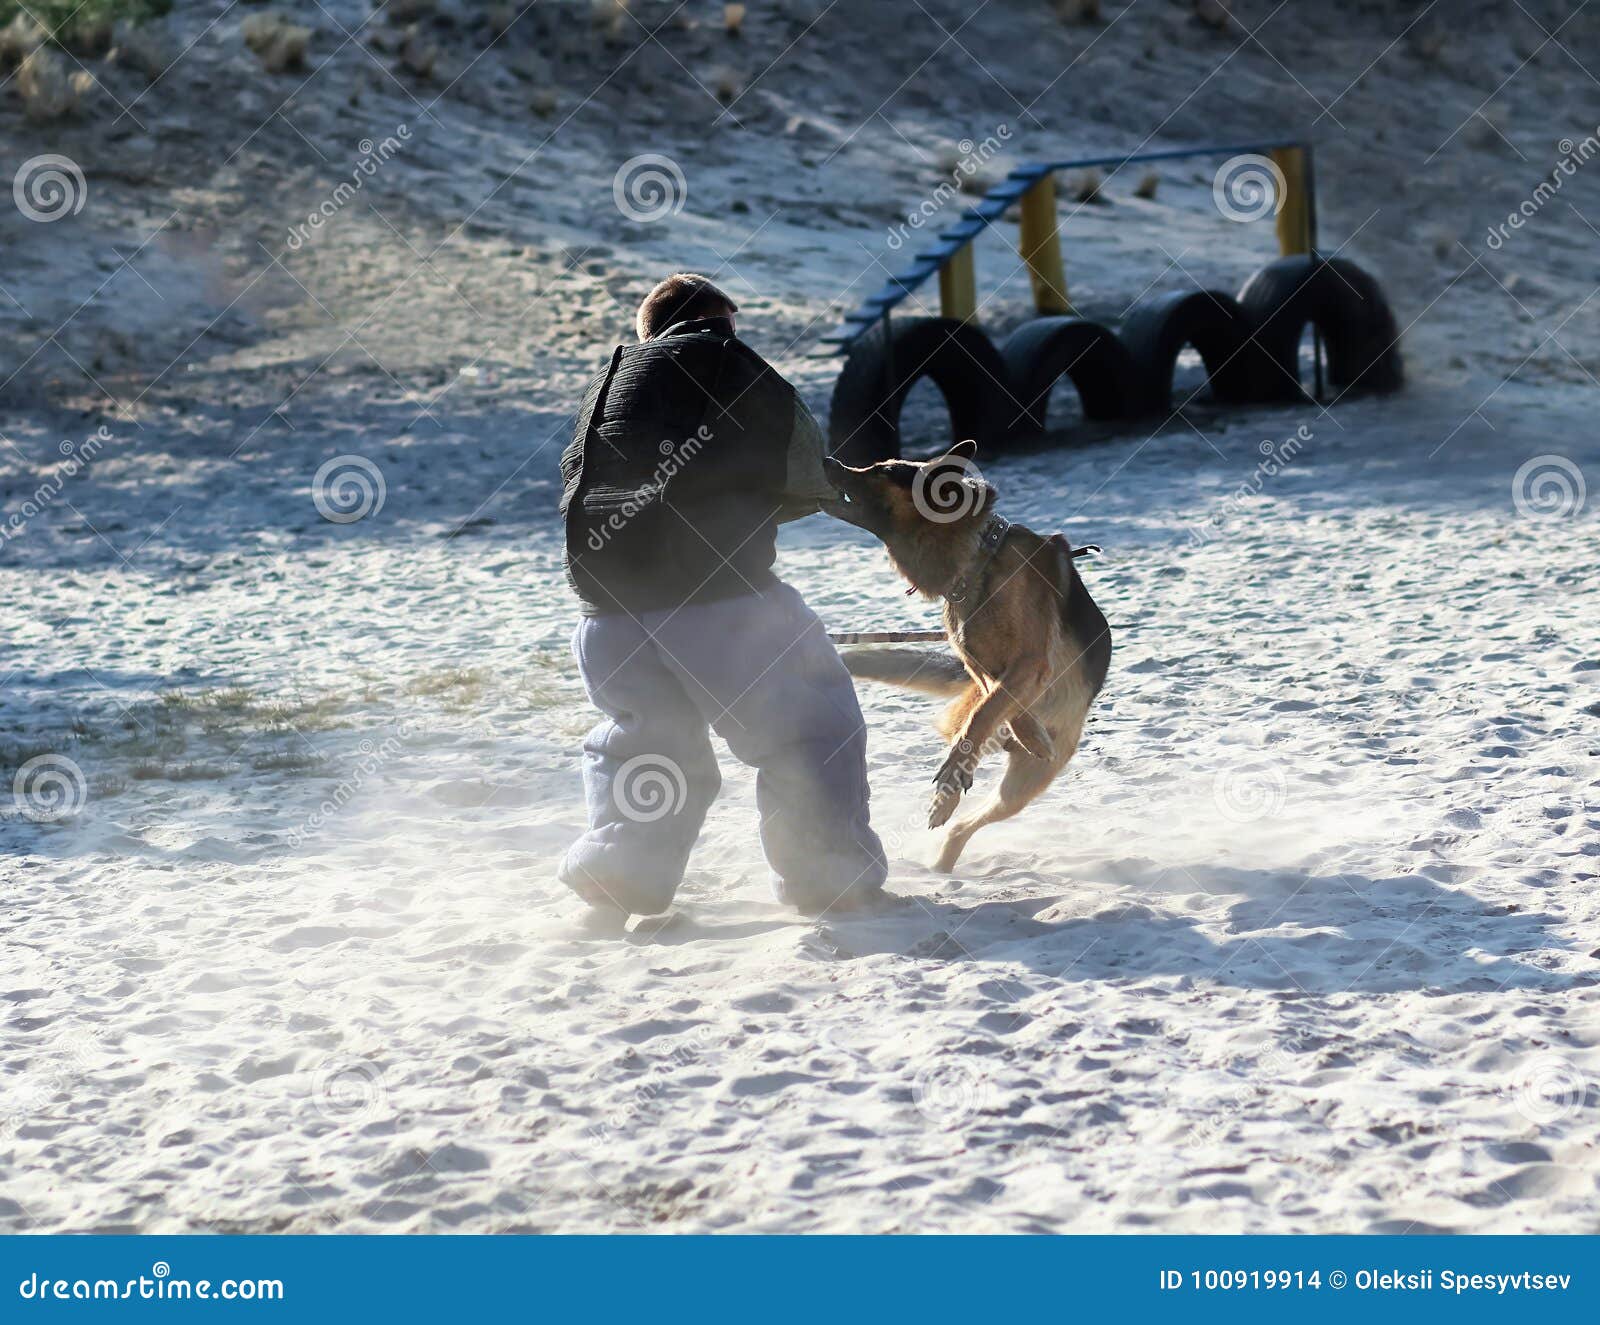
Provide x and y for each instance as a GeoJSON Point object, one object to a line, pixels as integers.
{"type": "Point", "coordinates": [895, 498]}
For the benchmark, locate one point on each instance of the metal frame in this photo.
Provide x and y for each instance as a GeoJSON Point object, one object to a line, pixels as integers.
{"type": "Point", "coordinates": [973, 221]}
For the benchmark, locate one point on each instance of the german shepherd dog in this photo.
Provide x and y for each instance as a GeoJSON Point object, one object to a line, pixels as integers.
{"type": "Point", "coordinates": [1031, 647]}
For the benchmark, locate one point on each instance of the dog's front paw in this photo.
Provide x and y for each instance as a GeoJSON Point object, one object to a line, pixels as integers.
{"type": "Point", "coordinates": [953, 778]}
{"type": "Point", "coordinates": [956, 771]}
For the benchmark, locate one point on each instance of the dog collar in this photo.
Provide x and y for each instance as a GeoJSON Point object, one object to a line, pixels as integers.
{"type": "Point", "coordinates": [994, 533]}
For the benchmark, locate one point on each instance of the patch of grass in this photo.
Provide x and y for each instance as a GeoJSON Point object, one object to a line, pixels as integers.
{"type": "Point", "coordinates": [83, 24]}
{"type": "Point", "coordinates": [232, 708]}
{"type": "Point", "coordinates": [181, 735]}
{"type": "Point", "coordinates": [152, 771]}
{"type": "Point", "coordinates": [456, 689]}
{"type": "Point", "coordinates": [139, 740]}
{"type": "Point", "coordinates": [286, 761]}
{"type": "Point", "coordinates": [14, 754]}
{"type": "Point", "coordinates": [445, 679]}
{"type": "Point", "coordinates": [549, 681]}
{"type": "Point", "coordinates": [305, 715]}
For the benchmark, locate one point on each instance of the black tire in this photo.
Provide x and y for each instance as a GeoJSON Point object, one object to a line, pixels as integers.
{"type": "Point", "coordinates": [864, 414]}
{"type": "Point", "coordinates": [1157, 329]}
{"type": "Point", "coordinates": [1358, 329]}
{"type": "Point", "coordinates": [1099, 366]}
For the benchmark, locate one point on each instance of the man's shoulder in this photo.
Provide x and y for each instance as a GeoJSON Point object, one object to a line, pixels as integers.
{"type": "Point", "coordinates": [746, 356]}
{"type": "Point", "coordinates": [751, 357]}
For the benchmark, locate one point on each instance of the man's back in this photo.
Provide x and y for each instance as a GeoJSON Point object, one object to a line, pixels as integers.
{"type": "Point", "coordinates": [674, 483]}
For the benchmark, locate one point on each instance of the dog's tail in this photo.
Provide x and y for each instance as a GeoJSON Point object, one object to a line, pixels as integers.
{"type": "Point", "coordinates": [910, 669]}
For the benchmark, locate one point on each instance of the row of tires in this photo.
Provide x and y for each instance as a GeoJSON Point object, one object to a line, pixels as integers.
{"type": "Point", "coordinates": [1250, 346]}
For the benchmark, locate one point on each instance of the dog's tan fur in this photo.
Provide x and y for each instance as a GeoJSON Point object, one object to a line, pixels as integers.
{"type": "Point", "coordinates": [1031, 649]}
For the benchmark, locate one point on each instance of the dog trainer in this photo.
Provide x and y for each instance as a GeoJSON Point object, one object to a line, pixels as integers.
{"type": "Point", "coordinates": [689, 451]}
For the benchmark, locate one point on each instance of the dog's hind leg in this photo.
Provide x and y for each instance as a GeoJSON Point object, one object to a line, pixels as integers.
{"type": "Point", "coordinates": [1013, 691]}
{"type": "Point", "coordinates": [1025, 777]}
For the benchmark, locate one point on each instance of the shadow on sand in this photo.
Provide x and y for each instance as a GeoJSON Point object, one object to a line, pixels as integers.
{"type": "Point", "coordinates": [1316, 934]}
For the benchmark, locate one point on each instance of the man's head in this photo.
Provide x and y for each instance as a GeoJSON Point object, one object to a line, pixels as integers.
{"type": "Point", "coordinates": [682, 297]}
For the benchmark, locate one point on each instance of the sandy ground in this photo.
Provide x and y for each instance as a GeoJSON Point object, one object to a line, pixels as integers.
{"type": "Point", "coordinates": [1304, 942]}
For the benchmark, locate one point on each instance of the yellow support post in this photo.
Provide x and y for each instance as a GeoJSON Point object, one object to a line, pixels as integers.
{"type": "Point", "coordinates": [1294, 217]}
{"type": "Point", "coordinates": [1039, 242]}
{"type": "Point", "coordinates": [958, 286]}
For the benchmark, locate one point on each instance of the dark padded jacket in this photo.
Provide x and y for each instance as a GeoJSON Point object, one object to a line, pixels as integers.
{"type": "Point", "coordinates": [689, 451]}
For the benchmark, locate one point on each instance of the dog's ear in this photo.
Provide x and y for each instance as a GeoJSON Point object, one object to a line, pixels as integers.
{"type": "Point", "coordinates": [964, 450]}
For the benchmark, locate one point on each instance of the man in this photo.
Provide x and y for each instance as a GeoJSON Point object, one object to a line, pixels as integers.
{"type": "Point", "coordinates": [689, 451]}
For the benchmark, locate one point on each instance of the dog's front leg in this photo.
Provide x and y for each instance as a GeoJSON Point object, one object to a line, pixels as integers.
{"type": "Point", "coordinates": [1014, 691]}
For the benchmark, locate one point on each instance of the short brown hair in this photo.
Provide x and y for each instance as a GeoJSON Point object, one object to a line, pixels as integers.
{"type": "Point", "coordinates": [682, 297]}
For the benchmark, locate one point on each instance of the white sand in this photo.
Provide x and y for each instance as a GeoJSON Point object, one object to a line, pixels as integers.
{"type": "Point", "coordinates": [1303, 942]}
